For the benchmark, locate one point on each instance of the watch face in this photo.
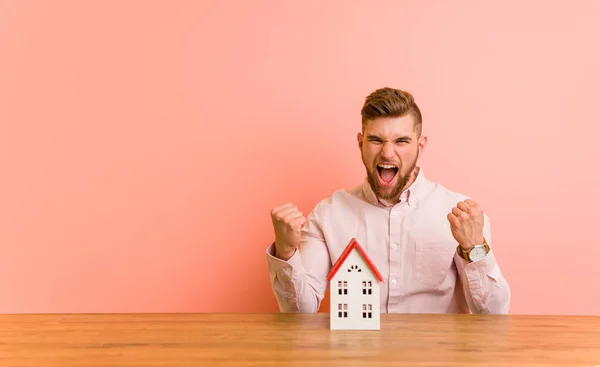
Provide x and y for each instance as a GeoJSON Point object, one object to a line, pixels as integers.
{"type": "Point", "coordinates": [477, 253]}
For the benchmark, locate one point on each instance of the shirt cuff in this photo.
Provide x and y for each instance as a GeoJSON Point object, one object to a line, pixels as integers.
{"type": "Point", "coordinates": [479, 268]}
{"type": "Point", "coordinates": [277, 265]}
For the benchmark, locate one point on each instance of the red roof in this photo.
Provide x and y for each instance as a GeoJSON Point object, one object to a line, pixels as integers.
{"type": "Point", "coordinates": [351, 245]}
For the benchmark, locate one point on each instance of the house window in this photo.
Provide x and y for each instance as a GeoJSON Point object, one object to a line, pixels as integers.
{"type": "Point", "coordinates": [354, 268]}
{"type": "Point", "coordinates": [342, 287]}
{"type": "Point", "coordinates": [367, 311]}
{"type": "Point", "coordinates": [367, 287]}
{"type": "Point", "coordinates": [342, 310]}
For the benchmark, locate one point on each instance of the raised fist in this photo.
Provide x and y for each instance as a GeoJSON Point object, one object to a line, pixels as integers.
{"type": "Point", "coordinates": [287, 223]}
{"type": "Point", "coordinates": [466, 223]}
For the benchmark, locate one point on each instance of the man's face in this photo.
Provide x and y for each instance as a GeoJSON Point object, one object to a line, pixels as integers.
{"type": "Point", "coordinates": [390, 149]}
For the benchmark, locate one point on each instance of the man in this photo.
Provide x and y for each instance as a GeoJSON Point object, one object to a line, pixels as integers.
{"type": "Point", "coordinates": [432, 245]}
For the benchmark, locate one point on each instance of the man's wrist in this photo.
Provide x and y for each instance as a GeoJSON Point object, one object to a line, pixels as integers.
{"type": "Point", "coordinates": [284, 255]}
{"type": "Point", "coordinates": [466, 246]}
{"type": "Point", "coordinates": [469, 245]}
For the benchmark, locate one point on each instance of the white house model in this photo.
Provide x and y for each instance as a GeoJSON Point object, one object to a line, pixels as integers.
{"type": "Point", "coordinates": [354, 291]}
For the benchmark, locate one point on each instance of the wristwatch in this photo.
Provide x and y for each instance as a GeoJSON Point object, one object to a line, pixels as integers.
{"type": "Point", "coordinates": [476, 253]}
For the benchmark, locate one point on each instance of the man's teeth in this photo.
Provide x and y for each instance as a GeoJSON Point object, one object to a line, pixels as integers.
{"type": "Point", "coordinates": [387, 166]}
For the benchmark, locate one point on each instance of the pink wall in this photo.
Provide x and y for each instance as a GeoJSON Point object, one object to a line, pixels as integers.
{"type": "Point", "coordinates": [132, 132]}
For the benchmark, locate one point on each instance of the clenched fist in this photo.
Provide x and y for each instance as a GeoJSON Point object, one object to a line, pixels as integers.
{"type": "Point", "coordinates": [466, 223]}
{"type": "Point", "coordinates": [287, 223]}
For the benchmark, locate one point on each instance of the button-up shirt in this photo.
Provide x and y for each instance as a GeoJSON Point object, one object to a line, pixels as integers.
{"type": "Point", "coordinates": [411, 245]}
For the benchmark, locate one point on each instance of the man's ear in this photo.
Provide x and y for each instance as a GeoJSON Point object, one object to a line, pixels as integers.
{"type": "Point", "coordinates": [359, 138]}
{"type": "Point", "coordinates": [422, 143]}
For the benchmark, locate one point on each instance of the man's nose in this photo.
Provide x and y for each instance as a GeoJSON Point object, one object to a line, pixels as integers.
{"type": "Point", "coordinates": [388, 150]}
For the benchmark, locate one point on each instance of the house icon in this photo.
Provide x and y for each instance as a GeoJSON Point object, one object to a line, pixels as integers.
{"type": "Point", "coordinates": [354, 297]}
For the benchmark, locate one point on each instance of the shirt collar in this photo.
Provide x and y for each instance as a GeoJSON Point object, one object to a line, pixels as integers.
{"type": "Point", "coordinates": [410, 195]}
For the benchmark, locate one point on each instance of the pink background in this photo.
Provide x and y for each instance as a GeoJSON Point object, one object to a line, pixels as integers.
{"type": "Point", "coordinates": [143, 142]}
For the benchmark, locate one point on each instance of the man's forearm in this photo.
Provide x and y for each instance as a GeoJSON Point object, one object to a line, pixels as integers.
{"type": "Point", "coordinates": [485, 288]}
{"type": "Point", "coordinates": [294, 295]}
{"type": "Point", "coordinates": [294, 289]}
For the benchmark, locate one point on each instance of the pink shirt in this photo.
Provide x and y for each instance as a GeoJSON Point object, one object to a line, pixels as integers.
{"type": "Point", "coordinates": [411, 245]}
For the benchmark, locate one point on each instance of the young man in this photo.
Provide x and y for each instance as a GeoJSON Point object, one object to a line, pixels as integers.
{"type": "Point", "coordinates": [431, 245]}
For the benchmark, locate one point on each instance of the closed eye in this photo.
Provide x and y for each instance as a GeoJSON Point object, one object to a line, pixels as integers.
{"type": "Point", "coordinates": [378, 140]}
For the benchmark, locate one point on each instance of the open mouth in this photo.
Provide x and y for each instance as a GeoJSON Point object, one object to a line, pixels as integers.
{"type": "Point", "coordinates": [386, 173]}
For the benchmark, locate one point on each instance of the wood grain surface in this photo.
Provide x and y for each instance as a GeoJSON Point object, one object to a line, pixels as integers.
{"type": "Point", "coordinates": [296, 340]}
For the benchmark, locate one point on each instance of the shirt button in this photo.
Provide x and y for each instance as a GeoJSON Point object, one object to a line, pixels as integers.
{"type": "Point", "coordinates": [394, 281]}
{"type": "Point", "coordinates": [394, 246]}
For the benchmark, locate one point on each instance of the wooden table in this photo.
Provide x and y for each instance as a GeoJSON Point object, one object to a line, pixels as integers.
{"type": "Point", "coordinates": [296, 340]}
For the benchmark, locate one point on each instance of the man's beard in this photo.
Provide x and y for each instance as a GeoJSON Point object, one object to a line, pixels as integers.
{"type": "Point", "coordinates": [401, 182]}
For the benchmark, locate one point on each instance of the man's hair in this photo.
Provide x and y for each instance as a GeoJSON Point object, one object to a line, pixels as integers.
{"type": "Point", "coordinates": [390, 102]}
